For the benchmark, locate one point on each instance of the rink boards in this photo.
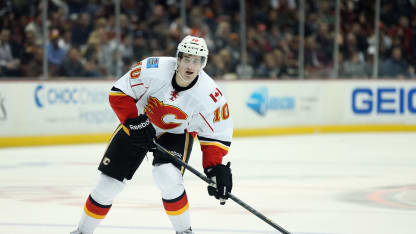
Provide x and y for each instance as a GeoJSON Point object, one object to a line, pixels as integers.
{"type": "Point", "coordinates": [55, 112]}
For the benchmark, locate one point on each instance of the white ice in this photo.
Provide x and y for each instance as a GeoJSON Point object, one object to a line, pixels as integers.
{"type": "Point", "coordinates": [308, 184]}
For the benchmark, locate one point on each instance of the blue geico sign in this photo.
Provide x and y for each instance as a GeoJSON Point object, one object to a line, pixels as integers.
{"type": "Point", "coordinates": [384, 100]}
{"type": "Point", "coordinates": [68, 95]}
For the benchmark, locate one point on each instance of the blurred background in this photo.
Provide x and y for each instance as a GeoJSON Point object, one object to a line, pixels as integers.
{"type": "Point", "coordinates": [266, 39]}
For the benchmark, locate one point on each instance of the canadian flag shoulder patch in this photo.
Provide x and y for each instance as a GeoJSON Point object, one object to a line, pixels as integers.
{"type": "Point", "coordinates": [215, 95]}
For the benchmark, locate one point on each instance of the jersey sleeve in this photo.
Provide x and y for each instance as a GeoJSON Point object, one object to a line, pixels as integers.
{"type": "Point", "coordinates": [126, 91]}
{"type": "Point", "coordinates": [215, 132]}
{"type": "Point", "coordinates": [134, 83]}
{"type": "Point", "coordinates": [123, 105]}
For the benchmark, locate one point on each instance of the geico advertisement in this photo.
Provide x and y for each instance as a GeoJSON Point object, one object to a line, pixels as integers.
{"type": "Point", "coordinates": [392, 102]}
{"type": "Point", "coordinates": [268, 104]}
{"type": "Point", "coordinates": [74, 103]}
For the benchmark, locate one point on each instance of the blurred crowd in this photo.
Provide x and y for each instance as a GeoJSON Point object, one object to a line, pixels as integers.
{"type": "Point", "coordinates": [82, 37]}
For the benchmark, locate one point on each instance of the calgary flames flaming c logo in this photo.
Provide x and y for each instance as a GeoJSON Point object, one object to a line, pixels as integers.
{"type": "Point", "coordinates": [157, 110]}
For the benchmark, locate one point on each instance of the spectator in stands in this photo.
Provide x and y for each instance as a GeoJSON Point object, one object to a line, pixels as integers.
{"type": "Point", "coordinates": [396, 66]}
{"type": "Point", "coordinates": [64, 42]}
{"type": "Point", "coordinates": [58, 19]}
{"type": "Point", "coordinates": [140, 45]}
{"type": "Point", "coordinates": [93, 5]}
{"type": "Point", "coordinates": [101, 43]}
{"type": "Point", "coordinates": [90, 54]}
{"type": "Point", "coordinates": [34, 26]}
{"type": "Point", "coordinates": [92, 69]}
{"type": "Point", "coordinates": [81, 29]}
{"type": "Point", "coordinates": [33, 64]}
{"type": "Point", "coordinates": [270, 68]}
{"type": "Point", "coordinates": [246, 71]}
{"type": "Point", "coordinates": [56, 54]}
{"type": "Point", "coordinates": [17, 40]}
{"type": "Point", "coordinates": [388, 14]}
{"type": "Point", "coordinates": [223, 63]}
{"type": "Point", "coordinates": [349, 47]}
{"type": "Point", "coordinates": [105, 53]}
{"type": "Point", "coordinates": [151, 28]}
{"type": "Point", "coordinates": [29, 54]}
{"type": "Point", "coordinates": [360, 38]}
{"type": "Point", "coordinates": [9, 65]}
{"type": "Point", "coordinates": [234, 47]}
{"type": "Point", "coordinates": [404, 32]}
{"type": "Point", "coordinates": [354, 67]}
{"type": "Point", "coordinates": [325, 41]}
{"type": "Point", "coordinates": [311, 57]}
{"type": "Point", "coordinates": [275, 36]}
{"type": "Point", "coordinates": [72, 65]}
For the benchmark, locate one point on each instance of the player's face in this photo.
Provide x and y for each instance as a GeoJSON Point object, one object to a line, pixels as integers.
{"type": "Point", "coordinates": [189, 66]}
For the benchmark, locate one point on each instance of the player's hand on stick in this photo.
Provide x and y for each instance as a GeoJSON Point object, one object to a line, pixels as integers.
{"type": "Point", "coordinates": [221, 175]}
{"type": "Point", "coordinates": [141, 131]}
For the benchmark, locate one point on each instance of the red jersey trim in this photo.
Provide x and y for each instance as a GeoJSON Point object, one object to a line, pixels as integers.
{"type": "Point", "coordinates": [212, 155]}
{"type": "Point", "coordinates": [206, 122]}
{"type": "Point", "coordinates": [124, 106]}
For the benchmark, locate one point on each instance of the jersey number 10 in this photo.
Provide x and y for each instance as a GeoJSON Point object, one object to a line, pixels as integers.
{"type": "Point", "coordinates": [221, 113]}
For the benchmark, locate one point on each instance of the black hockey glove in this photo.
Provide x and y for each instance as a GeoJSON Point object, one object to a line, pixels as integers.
{"type": "Point", "coordinates": [142, 132]}
{"type": "Point", "coordinates": [221, 175]}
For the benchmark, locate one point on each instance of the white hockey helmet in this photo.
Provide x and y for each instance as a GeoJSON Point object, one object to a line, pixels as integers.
{"type": "Point", "coordinates": [194, 46]}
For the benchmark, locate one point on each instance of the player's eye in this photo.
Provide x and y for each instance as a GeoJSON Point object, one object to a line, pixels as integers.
{"type": "Point", "coordinates": [195, 61]}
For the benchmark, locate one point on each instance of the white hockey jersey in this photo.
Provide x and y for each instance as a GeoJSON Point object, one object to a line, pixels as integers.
{"type": "Point", "coordinates": [202, 108]}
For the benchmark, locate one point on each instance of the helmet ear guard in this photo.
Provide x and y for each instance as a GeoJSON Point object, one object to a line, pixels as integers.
{"type": "Point", "coordinates": [194, 46]}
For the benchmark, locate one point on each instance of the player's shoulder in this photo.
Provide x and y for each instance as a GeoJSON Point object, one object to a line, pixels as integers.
{"type": "Point", "coordinates": [159, 63]}
{"type": "Point", "coordinates": [209, 93]}
{"type": "Point", "coordinates": [158, 67]}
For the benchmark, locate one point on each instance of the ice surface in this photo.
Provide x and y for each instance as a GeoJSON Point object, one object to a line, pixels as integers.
{"type": "Point", "coordinates": [308, 184]}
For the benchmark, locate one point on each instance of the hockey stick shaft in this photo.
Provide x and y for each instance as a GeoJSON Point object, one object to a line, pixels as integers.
{"type": "Point", "coordinates": [231, 196]}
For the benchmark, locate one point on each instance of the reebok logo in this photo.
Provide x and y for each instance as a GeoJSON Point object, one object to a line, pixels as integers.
{"type": "Point", "coordinates": [176, 154]}
{"type": "Point", "coordinates": [140, 125]}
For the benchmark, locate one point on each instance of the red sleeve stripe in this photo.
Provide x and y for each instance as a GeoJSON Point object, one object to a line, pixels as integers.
{"type": "Point", "coordinates": [176, 206]}
{"type": "Point", "coordinates": [136, 84]}
{"type": "Point", "coordinates": [193, 134]}
{"type": "Point", "coordinates": [212, 155]}
{"type": "Point", "coordinates": [96, 210]}
{"type": "Point", "coordinates": [206, 122]}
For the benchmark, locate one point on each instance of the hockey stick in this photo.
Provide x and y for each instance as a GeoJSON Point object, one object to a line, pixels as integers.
{"type": "Point", "coordinates": [231, 196]}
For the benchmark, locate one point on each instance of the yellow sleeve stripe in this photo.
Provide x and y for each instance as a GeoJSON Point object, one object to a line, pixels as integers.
{"type": "Point", "coordinates": [186, 154]}
{"type": "Point", "coordinates": [126, 130]}
{"type": "Point", "coordinates": [206, 143]}
{"type": "Point", "coordinates": [117, 94]}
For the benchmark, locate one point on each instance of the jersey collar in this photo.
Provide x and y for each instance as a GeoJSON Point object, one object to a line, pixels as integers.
{"type": "Point", "coordinates": [179, 88]}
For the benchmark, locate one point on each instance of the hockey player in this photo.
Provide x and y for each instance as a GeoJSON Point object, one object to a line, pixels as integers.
{"type": "Point", "coordinates": [172, 100]}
